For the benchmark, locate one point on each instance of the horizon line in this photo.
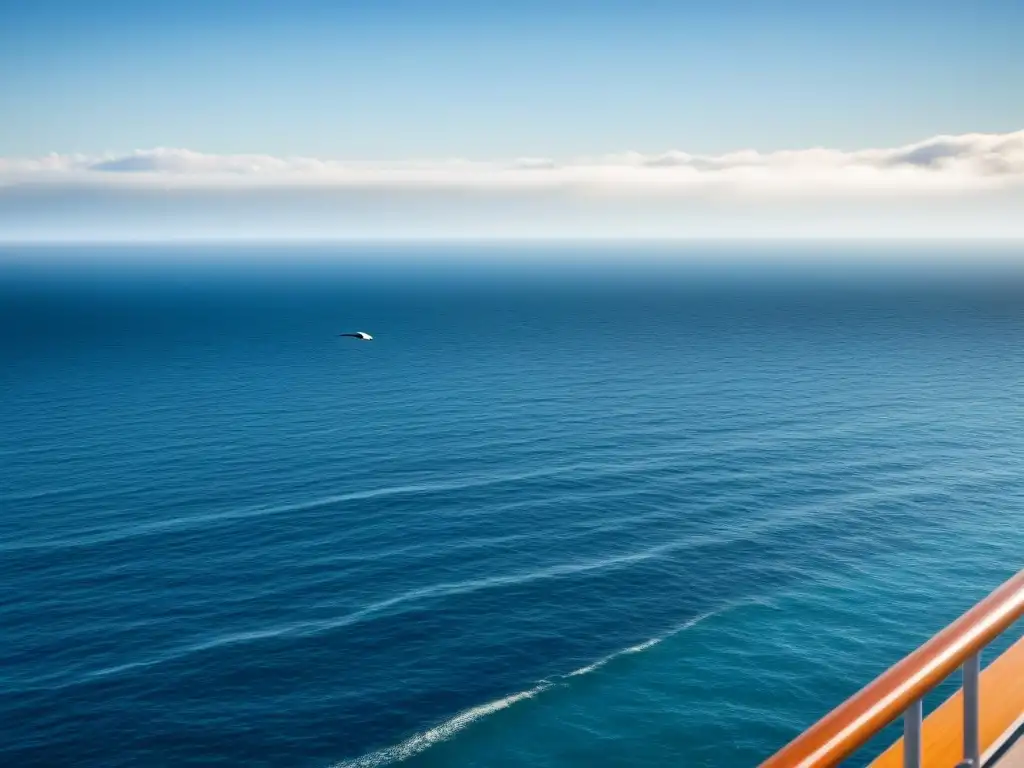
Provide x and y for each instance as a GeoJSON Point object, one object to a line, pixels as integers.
{"type": "Point", "coordinates": [506, 239]}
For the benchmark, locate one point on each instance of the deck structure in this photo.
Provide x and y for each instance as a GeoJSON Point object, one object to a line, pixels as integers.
{"type": "Point", "coordinates": [978, 727]}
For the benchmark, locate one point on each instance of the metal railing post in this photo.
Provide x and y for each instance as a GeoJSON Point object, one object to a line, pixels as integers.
{"type": "Point", "coordinates": [912, 720]}
{"type": "Point", "coordinates": [972, 709]}
{"type": "Point", "coordinates": [899, 690]}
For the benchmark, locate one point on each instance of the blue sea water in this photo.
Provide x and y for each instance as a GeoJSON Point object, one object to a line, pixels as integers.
{"type": "Point", "coordinates": [597, 517]}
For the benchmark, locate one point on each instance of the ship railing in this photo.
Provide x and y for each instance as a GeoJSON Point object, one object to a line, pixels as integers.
{"type": "Point", "coordinates": [901, 689]}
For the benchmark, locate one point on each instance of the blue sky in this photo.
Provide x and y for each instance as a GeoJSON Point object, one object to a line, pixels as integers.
{"type": "Point", "coordinates": [389, 81]}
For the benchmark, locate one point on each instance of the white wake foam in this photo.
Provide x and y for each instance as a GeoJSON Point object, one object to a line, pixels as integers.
{"type": "Point", "coordinates": [423, 741]}
{"type": "Point", "coordinates": [443, 732]}
{"type": "Point", "coordinates": [640, 647]}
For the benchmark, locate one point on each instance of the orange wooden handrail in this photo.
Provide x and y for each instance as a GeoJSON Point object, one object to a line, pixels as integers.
{"type": "Point", "coordinates": [851, 724]}
{"type": "Point", "coordinates": [942, 735]}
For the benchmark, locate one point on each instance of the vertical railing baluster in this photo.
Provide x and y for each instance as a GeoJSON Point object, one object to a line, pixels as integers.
{"type": "Point", "coordinates": [972, 710]}
{"type": "Point", "coordinates": [912, 735]}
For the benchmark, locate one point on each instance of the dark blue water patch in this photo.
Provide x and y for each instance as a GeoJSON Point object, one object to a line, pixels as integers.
{"type": "Point", "coordinates": [230, 537]}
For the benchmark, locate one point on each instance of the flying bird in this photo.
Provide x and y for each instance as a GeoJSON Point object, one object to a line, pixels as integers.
{"type": "Point", "coordinates": [361, 335]}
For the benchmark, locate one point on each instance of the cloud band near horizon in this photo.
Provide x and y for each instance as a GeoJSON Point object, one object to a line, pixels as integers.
{"type": "Point", "coordinates": [942, 165]}
{"type": "Point", "coordinates": [968, 186]}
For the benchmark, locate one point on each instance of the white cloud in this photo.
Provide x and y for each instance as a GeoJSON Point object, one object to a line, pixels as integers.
{"type": "Point", "coordinates": [969, 186]}
{"type": "Point", "coordinates": [944, 166]}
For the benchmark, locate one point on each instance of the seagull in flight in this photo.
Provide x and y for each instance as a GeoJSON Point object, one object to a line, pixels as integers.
{"type": "Point", "coordinates": [361, 335]}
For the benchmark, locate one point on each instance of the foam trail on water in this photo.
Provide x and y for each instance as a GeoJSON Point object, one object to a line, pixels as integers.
{"type": "Point", "coordinates": [624, 652]}
{"type": "Point", "coordinates": [640, 647]}
{"type": "Point", "coordinates": [421, 741]}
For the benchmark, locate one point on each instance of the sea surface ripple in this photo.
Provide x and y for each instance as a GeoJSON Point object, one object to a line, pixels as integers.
{"type": "Point", "coordinates": [536, 524]}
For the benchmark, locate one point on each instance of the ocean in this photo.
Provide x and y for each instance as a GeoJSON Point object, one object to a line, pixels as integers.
{"type": "Point", "coordinates": [574, 512]}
